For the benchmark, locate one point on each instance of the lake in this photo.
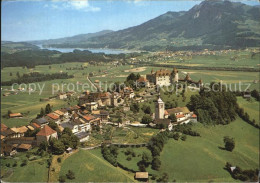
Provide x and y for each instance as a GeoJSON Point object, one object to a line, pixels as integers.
{"type": "Point", "coordinates": [93, 50]}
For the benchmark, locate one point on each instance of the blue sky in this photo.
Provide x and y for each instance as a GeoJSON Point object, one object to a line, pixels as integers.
{"type": "Point", "coordinates": [35, 20]}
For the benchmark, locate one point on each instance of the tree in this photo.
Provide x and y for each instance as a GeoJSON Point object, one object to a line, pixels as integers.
{"type": "Point", "coordinates": [49, 66]}
{"type": "Point", "coordinates": [147, 119]}
{"type": "Point", "coordinates": [172, 117]}
{"type": "Point", "coordinates": [48, 109]}
{"type": "Point", "coordinates": [67, 130]}
{"type": "Point", "coordinates": [70, 175]}
{"type": "Point", "coordinates": [135, 107]}
{"type": "Point", "coordinates": [11, 74]}
{"type": "Point", "coordinates": [229, 143]}
{"type": "Point", "coordinates": [147, 109]}
{"type": "Point", "coordinates": [156, 163]}
{"type": "Point", "coordinates": [18, 74]}
{"type": "Point", "coordinates": [57, 146]}
{"type": "Point", "coordinates": [164, 178]}
{"type": "Point", "coordinates": [43, 146]}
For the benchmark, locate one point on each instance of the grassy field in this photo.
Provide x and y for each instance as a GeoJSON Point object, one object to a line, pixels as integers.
{"type": "Point", "coordinates": [251, 107]}
{"type": "Point", "coordinates": [89, 166]}
{"type": "Point", "coordinates": [204, 153]}
{"type": "Point", "coordinates": [236, 59]}
{"type": "Point", "coordinates": [34, 171]}
{"type": "Point", "coordinates": [200, 159]}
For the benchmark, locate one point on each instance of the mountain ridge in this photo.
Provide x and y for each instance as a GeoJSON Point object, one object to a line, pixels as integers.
{"type": "Point", "coordinates": [210, 24]}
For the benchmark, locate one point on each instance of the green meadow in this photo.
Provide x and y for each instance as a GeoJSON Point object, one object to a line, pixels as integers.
{"type": "Point", "coordinates": [251, 107]}
{"type": "Point", "coordinates": [34, 171]}
{"type": "Point", "coordinates": [201, 159]}
{"type": "Point", "coordinates": [235, 59]}
{"type": "Point", "coordinates": [90, 166]}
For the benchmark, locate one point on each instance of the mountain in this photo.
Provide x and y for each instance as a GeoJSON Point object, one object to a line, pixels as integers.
{"type": "Point", "coordinates": [70, 40]}
{"type": "Point", "coordinates": [211, 24]}
{"type": "Point", "coordinates": [11, 47]}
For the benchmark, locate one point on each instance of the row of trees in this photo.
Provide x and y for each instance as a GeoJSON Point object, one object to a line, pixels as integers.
{"type": "Point", "coordinates": [243, 175]}
{"type": "Point", "coordinates": [156, 145]}
{"type": "Point", "coordinates": [245, 117]}
{"type": "Point", "coordinates": [32, 58]}
{"type": "Point", "coordinates": [36, 77]}
{"type": "Point", "coordinates": [47, 110]}
{"type": "Point", "coordinates": [110, 153]}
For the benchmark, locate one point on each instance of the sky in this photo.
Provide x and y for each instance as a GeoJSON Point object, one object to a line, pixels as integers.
{"type": "Point", "coordinates": [24, 20]}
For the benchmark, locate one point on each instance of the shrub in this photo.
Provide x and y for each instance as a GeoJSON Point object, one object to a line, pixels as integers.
{"type": "Point", "coordinates": [59, 159]}
{"type": "Point", "coordinates": [183, 138]}
{"type": "Point", "coordinates": [24, 163]}
{"type": "Point", "coordinates": [62, 178]}
{"type": "Point", "coordinates": [15, 164]}
{"type": "Point", "coordinates": [70, 175]}
{"type": "Point", "coordinates": [129, 158]}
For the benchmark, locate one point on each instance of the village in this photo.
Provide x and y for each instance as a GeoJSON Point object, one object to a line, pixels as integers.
{"type": "Point", "coordinates": [94, 110]}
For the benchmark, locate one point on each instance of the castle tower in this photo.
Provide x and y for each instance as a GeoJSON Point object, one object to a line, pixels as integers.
{"type": "Point", "coordinates": [159, 109]}
{"type": "Point", "coordinates": [187, 78]}
{"type": "Point", "coordinates": [176, 75]}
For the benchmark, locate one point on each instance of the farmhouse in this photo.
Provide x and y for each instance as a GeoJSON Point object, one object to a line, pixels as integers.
{"type": "Point", "coordinates": [19, 132]}
{"type": "Point", "coordinates": [62, 96]}
{"type": "Point", "coordinates": [45, 134]}
{"type": "Point", "coordinates": [141, 176]}
{"type": "Point", "coordinates": [15, 115]}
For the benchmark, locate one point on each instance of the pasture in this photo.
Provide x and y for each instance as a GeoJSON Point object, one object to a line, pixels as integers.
{"type": "Point", "coordinates": [34, 171]}
{"type": "Point", "coordinates": [206, 154]}
{"type": "Point", "coordinates": [90, 166]}
{"type": "Point", "coordinates": [251, 107]}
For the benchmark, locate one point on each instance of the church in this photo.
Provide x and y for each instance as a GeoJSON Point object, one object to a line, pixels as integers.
{"type": "Point", "coordinates": [182, 114]}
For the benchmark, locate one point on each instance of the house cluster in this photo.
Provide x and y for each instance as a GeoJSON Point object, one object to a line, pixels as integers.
{"type": "Point", "coordinates": [164, 77]}
{"type": "Point", "coordinates": [93, 100]}
{"type": "Point", "coordinates": [78, 119]}
{"type": "Point", "coordinates": [183, 115]}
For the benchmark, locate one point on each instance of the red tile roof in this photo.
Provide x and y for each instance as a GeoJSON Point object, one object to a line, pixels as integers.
{"type": "Point", "coordinates": [53, 116]}
{"type": "Point", "coordinates": [180, 116]}
{"type": "Point", "coordinates": [194, 116]}
{"type": "Point", "coordinates": [3, 127]}
{"type": "Point", "coordinates": [36, 125]}
{"type": "Point", "coordinates": [46, 131]}
{"type": "Point", "coordinates": [142, 79]}
{"type": "Point", "coordinates": [88, 117]}
{"type": "Point", "coordinates": [166, 112]}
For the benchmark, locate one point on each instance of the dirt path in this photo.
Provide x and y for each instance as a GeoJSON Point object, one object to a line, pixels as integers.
{"type": "Point", "coordinates": [54, 175]}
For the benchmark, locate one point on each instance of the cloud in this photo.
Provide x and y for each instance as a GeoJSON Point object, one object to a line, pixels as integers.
{"type": "Point", "coordinates": [81, 5]}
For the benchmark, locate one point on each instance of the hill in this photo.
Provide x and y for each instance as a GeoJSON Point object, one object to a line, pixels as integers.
{"type": "Point", "coordinates": [211, 24]}
{"type": "Point", "coordinates": [11, 47]}
{"type": "Point", "coordinates": [72, 40]}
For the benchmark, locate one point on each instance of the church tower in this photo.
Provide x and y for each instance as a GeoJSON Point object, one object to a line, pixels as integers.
{"type": "Point", "coordinates": [159, 109]}
{"type": "Point", "coordinates": [175, 75]}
